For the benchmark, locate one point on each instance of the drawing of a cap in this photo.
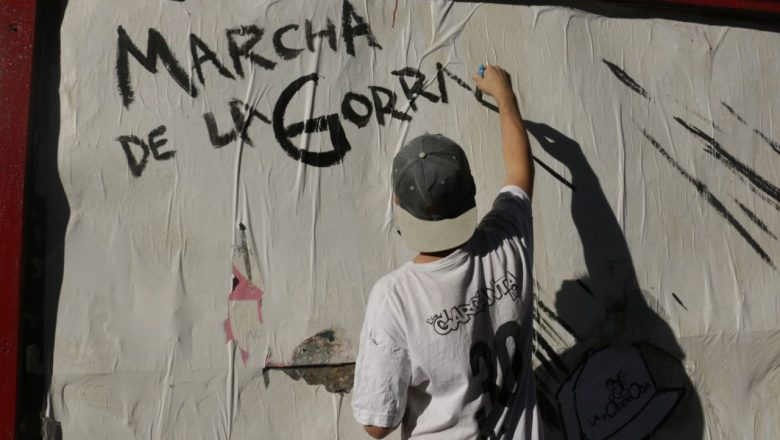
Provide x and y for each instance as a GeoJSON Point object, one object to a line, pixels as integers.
{"type": "Point", "coordinates": [613, 395]}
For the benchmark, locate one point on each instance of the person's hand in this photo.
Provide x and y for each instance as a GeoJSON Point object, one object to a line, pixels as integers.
{"type": "Point", "coordinates": [496, 83]}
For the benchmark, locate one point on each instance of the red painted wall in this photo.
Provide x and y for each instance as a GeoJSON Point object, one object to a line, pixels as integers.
{"type": "Point", "coordinates": [17, 28]}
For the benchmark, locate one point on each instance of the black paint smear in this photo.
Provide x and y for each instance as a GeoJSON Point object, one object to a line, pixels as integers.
{"type": "Point", "coordinates": [459, 81]}
{"type": "Point", "coordinates": [772, 143]}
{"type": "Point", "coordinates": [679, 301]}
{"type": "Point", "coordinates": [733, 113]}
{"type": "Point", "coordinates": [284, 52]}
{"type": "Point", "coordinates": [442, 85]}
{"type": "Point", "coordinates": [715, 149]}
{"type": "Point", "coordinates": [361, 28]}
{"type": "Point", "coordinates": [547, 327]}
{"type": "Point", "coordinates": [548, 366]}
{"type": "Point", "coordinates": [456, 78]}
{"type": "Point", "coordinates": [330, 123]}
{"type": "Point", "coordinates": [329, 32]}
{"type": "Point", "coordinates": [196, 45]}
{"type": "Point", "coordinates": [349, 112]}
{"type": "Point", "coordinates": [755, 219]}
{"type": "Point", "coordinates": [711, 199]}
{"type": "Point", "coordinates": [623, 77]}
{"type": "Point", "coordinates": [558, 320]}
{"type": "Point", "coordinates": [416, 89]}
{"type": "Point", "coordinates": [136, 166]}
{"type": "Point", "coordinates": [244, 50]}
{"type": "Point", "coordinates": [155, 144]}
{"type": "Point", "coordinates": [156, 49]}
{"type": "Point", "coordinates": [386, 107]}
{"type": "Point", "coordinates": [586, 288]}
{"type": "Point", "coordinates": [556, 360]}
{"type": "Point", "coordinates": [241, 123]}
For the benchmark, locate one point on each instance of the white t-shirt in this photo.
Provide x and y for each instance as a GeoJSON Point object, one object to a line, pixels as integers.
{"type": "Point", "coordinates": [446, 346]}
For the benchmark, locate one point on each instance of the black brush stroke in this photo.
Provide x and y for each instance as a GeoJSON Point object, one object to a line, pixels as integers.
{"type": "Point", "coordinates": [755, 219]}
{"type": "Point", "coordinates": [546, 326]}
{"type": "Point", "coordinates": [679, 301]}
{"type": "Point", "coordinates": [712, 200]}
{"type": "Point", "coordinates": [715, 149]}
{"type": "Point", "coordinates": [585, 288]}
{"type": "Point", "coordinates": [547, 365]}
{"type": "Point", "coordinates": [772, 143]}
{"type": "Point", "coordinates": [555, 174]}
{"type": "Point", "coordinates": [733, 113]}
{"type": "Point", "coordinates": [626, 79]}
{"type": "Point", "coordinates": [558, 320]}
{"type": "Point", "coordinates": [552, 355]}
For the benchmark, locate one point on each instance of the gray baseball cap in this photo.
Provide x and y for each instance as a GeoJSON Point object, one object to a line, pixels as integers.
{"type": "Point", "coordinates": [435, 191]}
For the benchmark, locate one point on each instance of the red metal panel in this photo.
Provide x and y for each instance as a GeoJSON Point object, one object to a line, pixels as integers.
{"type": "Point", "coordinates": [17, 28]}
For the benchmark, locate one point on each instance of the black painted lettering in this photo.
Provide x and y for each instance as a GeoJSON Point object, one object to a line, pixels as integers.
{"type": "Point", "coordinates": [286, 53]}
{"type": "Point", "coordinates": [244, 50]}
{"type": "Point", "coordinates": [156, 48]}
{"type": "Point", "coordinates": [386, 106]}
{"type": "Point", "coordinates": [330, 123]}
{"type": "Point", "coordinates": [477, 93]}
{"type": "Point", "coordinates": [136, 165]}
{"type": "Point", "coordinates": [217, 139]}
{"type": "Point", "coordinates": [155, 144]}
{"type": "Point", "coordinates": [349, 112]}
{"type": "Point", "coordinates": [197, 45]}
{"type": "Point", "coordinates": [416, 89]}
{"type": "Point", "coordinates": [442, 83]}
{"type": "Point", "coordinates": [360, 28]}
{"type": "Point", "coordinates": [242, 115]}
{"type": "Point", "coordinates": [329, 32]}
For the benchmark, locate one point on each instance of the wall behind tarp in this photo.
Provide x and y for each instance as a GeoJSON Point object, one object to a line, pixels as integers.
{"type": "Point", "coordinates": [226, 167]}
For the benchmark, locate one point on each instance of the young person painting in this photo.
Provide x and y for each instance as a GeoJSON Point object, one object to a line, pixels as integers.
{"type": "Point", "coordinates": [445, 349]}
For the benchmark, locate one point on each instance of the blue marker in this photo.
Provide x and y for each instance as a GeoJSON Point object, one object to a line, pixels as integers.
{"type": "Point", "coordinates": [481, 70]}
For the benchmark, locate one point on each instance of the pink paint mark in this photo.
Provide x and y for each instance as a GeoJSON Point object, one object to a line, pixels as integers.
{"type": "Point", "coordinates": [395, 9]}
{"type": "Point", "coordinates": [246, 291]}
{"type": "Point", "coordinates": [228, 330]}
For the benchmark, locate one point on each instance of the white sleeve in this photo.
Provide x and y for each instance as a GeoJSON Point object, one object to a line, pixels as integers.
{"type": "Point", "coordinates": [383, 371]}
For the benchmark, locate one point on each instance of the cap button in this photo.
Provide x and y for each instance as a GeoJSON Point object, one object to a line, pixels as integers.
{"type": "Point", "coordinates": [422, 155]}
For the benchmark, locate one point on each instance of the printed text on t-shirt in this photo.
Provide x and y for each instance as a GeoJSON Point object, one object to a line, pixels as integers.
{"type": "Point", "coordinates": [450, 320]}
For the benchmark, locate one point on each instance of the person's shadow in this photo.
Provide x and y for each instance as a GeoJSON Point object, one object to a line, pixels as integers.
{"type": "Point", "coordinates": [623, 377]}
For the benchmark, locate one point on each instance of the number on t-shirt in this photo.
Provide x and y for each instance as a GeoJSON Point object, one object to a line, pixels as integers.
{"type": "Point", "coordinates": [483, 361]}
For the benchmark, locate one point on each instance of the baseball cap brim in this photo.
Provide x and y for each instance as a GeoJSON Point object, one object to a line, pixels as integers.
{"type": "Point", "coordinates": [438, 235]}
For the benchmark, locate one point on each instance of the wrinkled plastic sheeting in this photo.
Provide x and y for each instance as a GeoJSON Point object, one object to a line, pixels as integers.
{"type": "Point", "coordinates": [227, 166]}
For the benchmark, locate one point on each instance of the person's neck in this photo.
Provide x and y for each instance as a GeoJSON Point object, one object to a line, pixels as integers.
{"type": "Point", "coordinates": [430, 257]}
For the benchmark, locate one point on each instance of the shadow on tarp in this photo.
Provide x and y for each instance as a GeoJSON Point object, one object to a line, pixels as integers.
{"type": "Point", "coordinates": [624, 376]}
{"type": "Point", "coordinates": [647, 9]}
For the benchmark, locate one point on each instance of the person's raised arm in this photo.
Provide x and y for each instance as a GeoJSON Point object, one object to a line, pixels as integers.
{"type": "Point", "coordinates": [517, 150]}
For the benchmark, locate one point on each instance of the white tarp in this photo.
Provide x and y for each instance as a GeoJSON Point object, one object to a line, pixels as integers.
{"type": "Point", "coordinates": [226, 165]}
